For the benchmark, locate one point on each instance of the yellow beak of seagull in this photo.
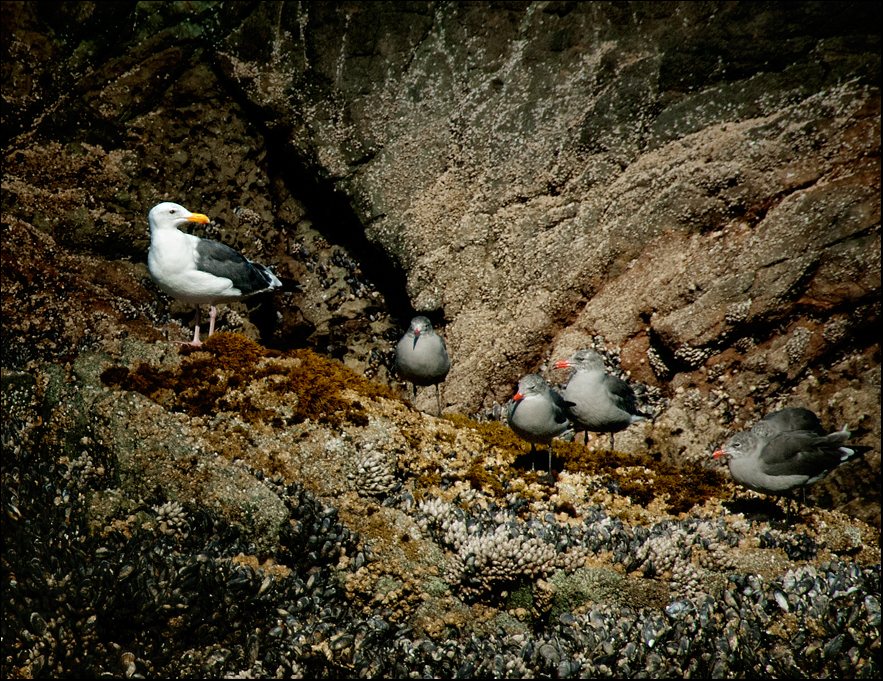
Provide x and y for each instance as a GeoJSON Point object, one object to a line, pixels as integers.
{"type": "Point", "coordinates": [198, 217]}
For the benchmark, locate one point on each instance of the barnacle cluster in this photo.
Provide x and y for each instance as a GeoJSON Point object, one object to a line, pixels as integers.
{"type": "Point", "coordinates": [660, 368]}
{"type": "Point", "coordinates": [744, 344]}
{"type": "Point", "coordinates": [693, 399]}
{"type": "Point", "coordinates": [836, 329]}
{"type": "Point", "coordinates": [141, 601]}
{"type": "Point", "coordinates": [374, 472]}
{"type": "Point", "coordinates": [692, 357]}
{"type": "Point", "coordinates": [172, 518]}
{"type": "Point", "coordinates": [795, 346]}
{"type": "Point", "coordinates": [738, 311]}
{"type": "Point", "coordinates": [490, 549]}
{"type": "Point", "coordinates": [671, 550]}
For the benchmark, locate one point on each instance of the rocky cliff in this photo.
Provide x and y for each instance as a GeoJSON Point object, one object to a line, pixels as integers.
{"type": "Point", "coordinates": [693, 188]}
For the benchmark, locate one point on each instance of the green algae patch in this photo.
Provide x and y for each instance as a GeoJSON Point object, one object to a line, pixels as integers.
{"type": "Point", "coordinates": [643, 478]}
{"type": "Point", "coordinates": [496, 436]}
{"type": "Point", "coordinates": [230, 373]}
{"type": "Point", "coordinates": [482, 479]}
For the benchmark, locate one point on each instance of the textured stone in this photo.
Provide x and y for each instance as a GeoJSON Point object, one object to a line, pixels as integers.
{"type": "Point", "coordinates": [697, 185]}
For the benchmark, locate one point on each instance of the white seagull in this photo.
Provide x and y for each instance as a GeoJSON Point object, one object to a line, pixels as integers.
{"type": "Point", "coordinates": [199, 271]}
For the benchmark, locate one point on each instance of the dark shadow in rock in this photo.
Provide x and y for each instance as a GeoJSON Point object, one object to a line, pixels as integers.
{"type": "Point", "coordinates": [262, 313]}
{"type": "Point", "coordinates": [332, 215]}
{"type": "Point", "coordinates": [537, 461]}
{"type": "Point", "coordinates": [756, 509]}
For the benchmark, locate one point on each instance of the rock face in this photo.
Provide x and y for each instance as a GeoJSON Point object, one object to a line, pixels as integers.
{"type": "Point", "coordinates": [695, 188]}
{"type": "Point", "coordinates": [691, 188]}
{"type": "Point", "coordinates": [552, 166]}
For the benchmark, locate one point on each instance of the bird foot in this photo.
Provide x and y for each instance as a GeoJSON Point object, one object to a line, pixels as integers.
{"type": "Point", "coordinates": [193, 343]}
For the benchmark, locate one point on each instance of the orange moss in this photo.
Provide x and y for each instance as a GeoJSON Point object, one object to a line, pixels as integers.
{"type": "Point", "coordinates": [412, 438]}
{"type": "Point", "coordinates": [217, 377]}
{"type": "Point", "coordinates": [481, 479]}
{"type": "Point", "coordinates": [234, 351]}
{"type": "Point", "coordinates": [426, 481]}
{"type": "Point", "coordinates": [204, 381]}
{"type": "Point", "coordinates": [496, 435]}
{"type": "Point", "coordinates": [682, 488]}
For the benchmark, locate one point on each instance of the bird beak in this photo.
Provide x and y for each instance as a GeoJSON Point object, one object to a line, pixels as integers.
{"type": "Point", "coordinates": [518, 396]}
{"type": "Point", "coordinates": [718, 454]}
{"type": "Point", "coordinates": [198, 217]}
{"type": "Point", "coordinates": [563, 364]}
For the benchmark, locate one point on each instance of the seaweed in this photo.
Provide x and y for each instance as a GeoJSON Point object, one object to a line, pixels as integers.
{"type": "Point", "coordinates": [216, 377]}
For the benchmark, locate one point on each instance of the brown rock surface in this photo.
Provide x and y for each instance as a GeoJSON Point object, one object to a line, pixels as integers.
{"type": "Point", "coordinates": [533, 176]}
{"type": "Point", "coordinates": [694, 187]}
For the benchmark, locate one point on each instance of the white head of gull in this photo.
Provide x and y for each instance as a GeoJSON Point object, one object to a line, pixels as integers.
{"type": "Point", "coordinates": [199, 271]}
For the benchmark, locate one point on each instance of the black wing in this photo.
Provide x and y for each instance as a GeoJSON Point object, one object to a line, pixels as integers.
{"type": "Point", "coordinates": [800, 453]}
{"type": "Point", "coordinates": [222, 261]}
{"type": "Point", "coordinates": [562, 407]}
{"type": "Point", "coordinates": [794, 418]}
{"type": "Point", "coordinates": [622, 394]}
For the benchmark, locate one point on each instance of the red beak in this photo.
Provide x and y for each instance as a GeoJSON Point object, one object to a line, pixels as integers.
{"type": "Point", "coordinates": [518, 396]}
{"type": "Point", "coordinates": [563, 364]}
{"type": "Point", "coordinates": [719, 453]}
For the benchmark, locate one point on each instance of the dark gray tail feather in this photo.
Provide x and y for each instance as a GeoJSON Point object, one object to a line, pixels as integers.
{"type": "Point", "coordinates": [290, 285]}
{"type": "Point", "coordinates": [854, 451]}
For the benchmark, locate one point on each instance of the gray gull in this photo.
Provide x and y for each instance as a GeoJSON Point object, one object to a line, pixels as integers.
{"type": "Point", "coordinates": [537, 413]}
{"type": "Point", "coordinates": [422, 358]}
{"type": "Point", "coordinates": [788, 419]}
{"type": "Point", "coordinates": [772, 459]}
{"type": "Point", "coordinates": [602, 403]}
